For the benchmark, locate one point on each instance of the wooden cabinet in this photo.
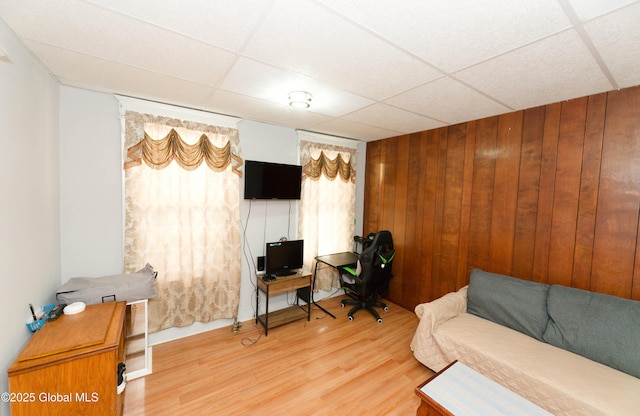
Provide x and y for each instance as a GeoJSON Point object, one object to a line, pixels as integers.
{"type": "Point", "coordinates": [71, 366]}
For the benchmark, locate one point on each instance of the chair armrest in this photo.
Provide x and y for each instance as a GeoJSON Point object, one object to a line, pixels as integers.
{"type": "Point", "coordinates": [431, 315]}
{"type": "Point", "coordinates": [350, 269]}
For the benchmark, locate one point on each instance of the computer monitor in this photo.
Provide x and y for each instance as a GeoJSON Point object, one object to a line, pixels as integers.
{"type": "Point", "coordinates": [284, 257]}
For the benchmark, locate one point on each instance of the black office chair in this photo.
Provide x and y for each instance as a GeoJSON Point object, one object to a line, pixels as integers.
{"type": "Point", "coordinates": [369, 279]}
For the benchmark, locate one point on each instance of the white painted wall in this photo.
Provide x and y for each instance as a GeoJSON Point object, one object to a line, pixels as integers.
{"type": "Point", "coordinates": [29, 204]}
{"type": "Point", "coordinates": [91, 198]}
{"type": "Point", "coordinates": [90, 184]}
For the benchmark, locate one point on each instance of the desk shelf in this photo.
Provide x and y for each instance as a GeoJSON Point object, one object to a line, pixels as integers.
{"type": "Point", "coordinates": [283, 316]}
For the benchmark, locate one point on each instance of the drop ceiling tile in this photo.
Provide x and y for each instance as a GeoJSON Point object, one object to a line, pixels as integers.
{"type": "Point", "coordinates": [238, 105]}
{"type": "Point", "coordinates": [254, 109]}
{"type": "Point", "coordinates": [255, 79]}
{"type": "Point", "coordinates": [455, 34]}
{"type": "Point", "coordinates": [95, 74]}
{"type": "Point", "coordinates": [449, 101]}
{"type": "Point", "coordinates": [308, 39]}
{"type": "Point", "coordinates": [224, 23]}
{"type": "Point", "coordinates": [349, 54]}
{"type": "Point", "coordinates": [110, 36]}
{"type": "Point", "coordinates": [391, 118]}
{"type": "Point", "coordinates": [588, 9]}
{"type": "Point", "coordinates": [349, 129]}
{"type": "Point", "coordinates": [551, 70]}
{"type": "Point", "coordinates": [616, 36]}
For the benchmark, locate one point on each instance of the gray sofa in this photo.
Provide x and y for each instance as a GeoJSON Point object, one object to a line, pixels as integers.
{"type": "Point", "coordinates": [570, 351]}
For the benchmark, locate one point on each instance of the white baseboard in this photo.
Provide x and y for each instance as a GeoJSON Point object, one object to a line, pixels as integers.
{"type": "Point", "coordinates": [173, 334]}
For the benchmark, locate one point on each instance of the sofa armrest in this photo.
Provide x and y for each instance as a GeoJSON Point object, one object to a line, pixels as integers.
{"type": "Point", "coordinates": [444, 308]}
{"type": "Point", "coordinates": [431, 315]}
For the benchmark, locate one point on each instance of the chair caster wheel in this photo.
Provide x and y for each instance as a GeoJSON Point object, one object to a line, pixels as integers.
{"type": "Point", "coordinates": [386, 308]}
{"type": "Point", "coordinates": [351, 318]}
{"type": "Point", "coordinates": [379, 320]}
{"type": "Point", "coordinates": [342, 305]}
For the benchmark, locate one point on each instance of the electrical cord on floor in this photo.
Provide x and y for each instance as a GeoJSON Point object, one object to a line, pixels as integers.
{"type": "Point", "coordinates": [249, 342]}
{"type": "Point", "coordinates": [315, 307]}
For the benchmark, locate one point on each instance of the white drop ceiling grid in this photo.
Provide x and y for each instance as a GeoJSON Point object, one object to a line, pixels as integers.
{"type": "Point", "coordinates": [376, 68]}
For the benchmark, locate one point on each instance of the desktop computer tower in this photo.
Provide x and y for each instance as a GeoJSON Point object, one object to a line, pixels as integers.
{"type": "Point", "coordinates": [261, 263]}
{"type": "Point", "coordinates": [304, 293]}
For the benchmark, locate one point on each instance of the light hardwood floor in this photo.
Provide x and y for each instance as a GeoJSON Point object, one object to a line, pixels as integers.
{"type": "Point", "coordinates": [323, 367]}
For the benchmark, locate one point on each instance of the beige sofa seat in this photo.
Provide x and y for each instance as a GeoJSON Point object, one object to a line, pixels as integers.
{"type": "Point", "coordinates": [560, 381]}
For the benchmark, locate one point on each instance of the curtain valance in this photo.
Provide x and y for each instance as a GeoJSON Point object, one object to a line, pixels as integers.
{"type": "Point", "coordinates": [316, 161]}
{"type": "Point", "coordinates": [331, 168]}
{"type": "Point", "coordinates": [158, 154]}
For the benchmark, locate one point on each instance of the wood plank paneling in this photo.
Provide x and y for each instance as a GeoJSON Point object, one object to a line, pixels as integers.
{"type": "Point", "coordinates": [388, 172]}
{"type": "Point", "coordinates": [505, 192]}
{"type": "Point", "coordinates": [550, 194]}
{"type": "Point", "coordinates": [566, 191]}
{"type": "Point", "coordinates": [452, 205]}
{"type": "Point", "coordinates": [372, 182]}
{"type": "Point", "coordinates": [619, 196]}
{"type": "Point", "coordinates": [528, 192]}
{"type": "Point", "coordinates": [436, 277]}
{"type": "Point", "coordinates": [430, 177]}
{"type": "Point", "coordinates": [465, 209]}
{"type": "Point", "coordinates": [589, 182]}
{"type": "Point", "coordinates": [545, 196]}
{"type": "Point", "coordinates": [401, 203]}
{"type": "Point", "coordinates": [413, 223]}
{"type": "Point", "coordinates": [482, 192]}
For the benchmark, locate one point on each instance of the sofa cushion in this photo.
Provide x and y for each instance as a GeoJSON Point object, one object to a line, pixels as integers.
{"type": "Point", "coordinates": [564, 383]}
{"type": "Point", "coordinates": [515, 303]}
{"type": "Point", "coordinates": [601, 327]}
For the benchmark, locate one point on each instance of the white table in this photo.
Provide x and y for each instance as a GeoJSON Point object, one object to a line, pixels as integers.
{"type": "Point", "coordinates": [461, 391]}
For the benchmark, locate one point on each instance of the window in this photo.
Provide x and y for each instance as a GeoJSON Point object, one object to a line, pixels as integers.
{"type": "Point", "coordinates": [327, 205]}
{"type": "Point", "coordinates": [182, 204]}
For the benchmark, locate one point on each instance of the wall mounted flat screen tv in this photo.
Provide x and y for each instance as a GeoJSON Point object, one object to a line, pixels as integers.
{"type": "Point", "coordinates": [264, 180]}
{"type": "Point", "coordinates": [284, 257]}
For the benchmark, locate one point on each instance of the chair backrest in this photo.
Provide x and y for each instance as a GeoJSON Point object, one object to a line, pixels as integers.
{"type": "Point", "coordinates": [376, 260]}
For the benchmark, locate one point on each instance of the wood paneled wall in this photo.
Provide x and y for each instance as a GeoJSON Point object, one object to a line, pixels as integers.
{"type": "Point", "coordinates": [549, 194]}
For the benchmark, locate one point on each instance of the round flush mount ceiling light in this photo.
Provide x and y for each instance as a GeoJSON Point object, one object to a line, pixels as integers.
{"type": "Point", "coordinates": [300, 99]}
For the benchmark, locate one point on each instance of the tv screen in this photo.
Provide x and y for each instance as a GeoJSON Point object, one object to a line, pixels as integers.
{"type": "Point", "coordinates": [284, 257]}
{"type": "Point", "coordinates": [264, 180]}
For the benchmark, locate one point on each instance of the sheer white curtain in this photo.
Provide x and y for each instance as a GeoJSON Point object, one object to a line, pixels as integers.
{"type": "Point", "coordinates": [182, 216]}
{"type": "Point", "coordinates": [327, 204]}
